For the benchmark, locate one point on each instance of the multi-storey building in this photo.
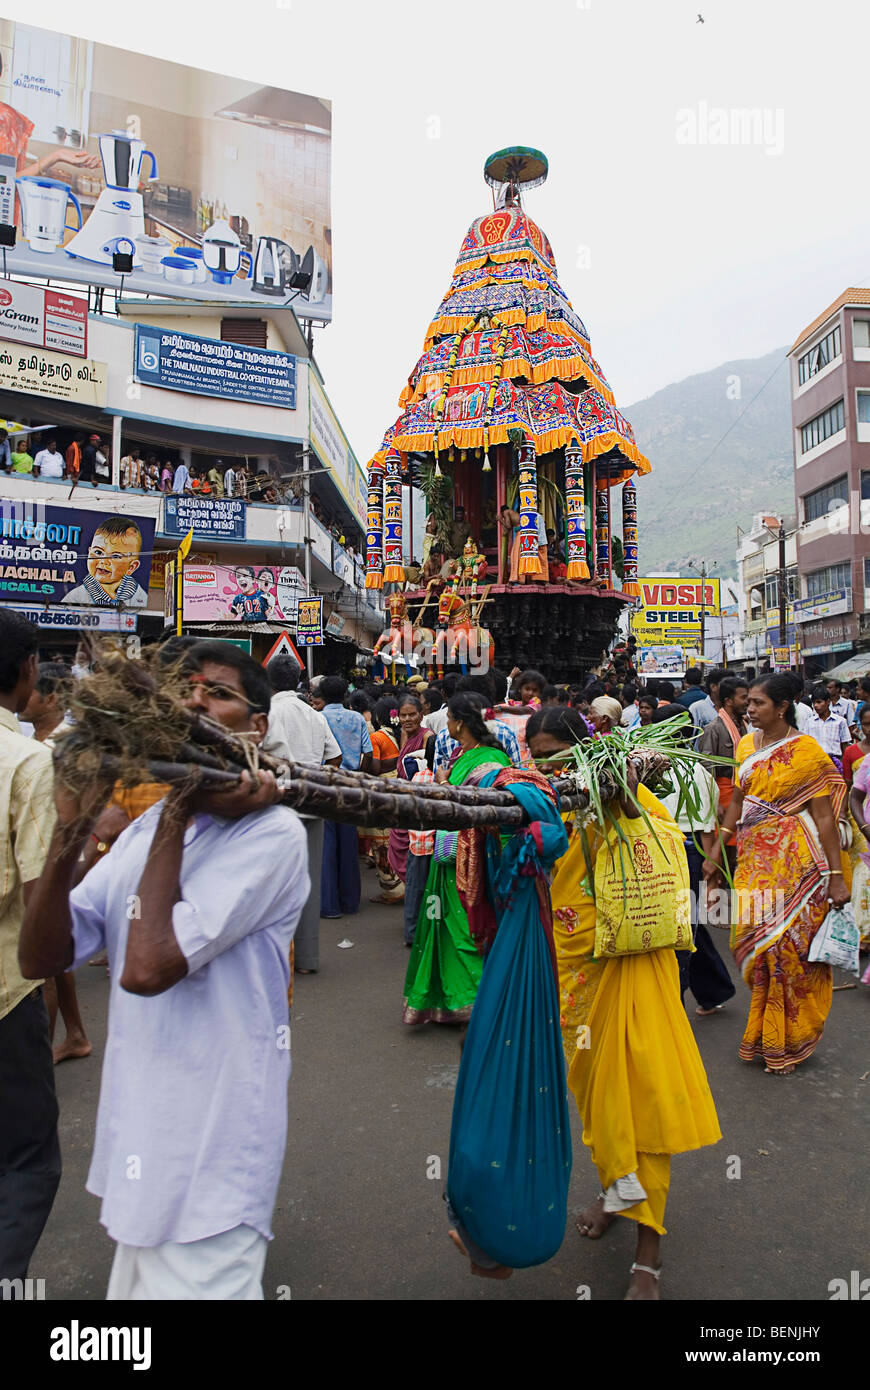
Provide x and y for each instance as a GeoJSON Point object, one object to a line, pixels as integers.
{"type": "Point", "coordinates": [830, 385]}
{"type": "Point", "coordinates": [759, 558]}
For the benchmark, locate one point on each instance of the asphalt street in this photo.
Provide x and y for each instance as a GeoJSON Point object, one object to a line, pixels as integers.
{"type": "Point", "coordinates": [359, 1216]}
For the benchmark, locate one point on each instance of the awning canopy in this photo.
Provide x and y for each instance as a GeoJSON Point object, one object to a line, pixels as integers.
{"type": "Point", "coordinates": [852, 669]}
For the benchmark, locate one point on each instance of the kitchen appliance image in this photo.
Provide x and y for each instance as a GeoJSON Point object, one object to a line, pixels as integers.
{"type": "Point", "coordinates": [8, 168]}
{"type": "Point", "coordinates": [194, 255]}
{"type": "Point", "coordinates": [315, 267]}
{"type": "Point", "coordinates": [43, 211]}
{"type": "Point", "coordinates": [222, 253]}
{"type": "Point", "coordinates": [275, 264]}
{"type": "Point", "coordinates": [119, 210]}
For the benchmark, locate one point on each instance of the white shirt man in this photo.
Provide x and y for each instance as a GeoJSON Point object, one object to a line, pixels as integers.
{"type": "Point", "coordinates": [181, 479]}
{"type": "Point", "coordinates": [49, 463]}
{"type": "Point", "coordinates": [832, 733]}
{"type": "Point", "coordinates": [131, 471]}
{"type": "Point", "coordinates": [804, 716]}
{"type": "Point", "coordinates": [230, 482]}
{"type": "Point", "coordinates": [845, 708]}
{"type": "Point", "coordinates": [298, 733]}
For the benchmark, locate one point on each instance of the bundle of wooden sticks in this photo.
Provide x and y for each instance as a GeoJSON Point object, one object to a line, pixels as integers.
{"type": "Point", "coordinates": [132, 725]}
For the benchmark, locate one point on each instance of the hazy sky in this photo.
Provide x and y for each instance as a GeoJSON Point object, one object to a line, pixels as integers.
{"type": "Point", "coordinates": [682, 236]}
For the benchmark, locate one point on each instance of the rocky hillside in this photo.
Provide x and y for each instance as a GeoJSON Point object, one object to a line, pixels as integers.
{"type": "Point", "coordinates": [695, 498]}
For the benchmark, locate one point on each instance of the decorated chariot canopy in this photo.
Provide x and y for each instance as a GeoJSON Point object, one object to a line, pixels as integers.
{"type": "Point", "coordinates": [507, 360]}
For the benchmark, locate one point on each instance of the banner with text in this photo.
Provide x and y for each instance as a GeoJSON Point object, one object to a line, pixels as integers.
{"type": "Point", "coordinates": [210, 367]}
{"type": "Point", "coordinates": [44, 318]}
{"type": "Point", "coordinates": [239, 593]}
{"type": "Point", "coordinates": [46, 373]}
{"type": "Point", "coordinates": [669, 610]}
{"type": "Point", "coordinates": [309, 622]}
{"type": "Point", "coordinates": [210, 518]}
{"type": "Point", "coordinates": [58, 555]}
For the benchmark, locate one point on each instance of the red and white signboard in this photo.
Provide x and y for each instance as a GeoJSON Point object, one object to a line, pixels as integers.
{"type": "Point", "coordinates": [44, 318]}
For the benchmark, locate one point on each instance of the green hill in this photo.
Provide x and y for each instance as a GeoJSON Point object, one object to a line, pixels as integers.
{"type": "Point", "coordinates": [697, 494]}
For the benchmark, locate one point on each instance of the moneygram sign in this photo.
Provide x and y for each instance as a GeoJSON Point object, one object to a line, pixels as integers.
{"type": "Point", "coordinates": [43, 318]}
{"type": "Point", "coordinates": [669, 610]}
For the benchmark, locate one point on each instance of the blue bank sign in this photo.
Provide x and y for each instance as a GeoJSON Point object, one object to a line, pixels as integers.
{"type": "Point", "coordinates": [207, 367]}
{"type": "Point", "coordinates": [210, 518]}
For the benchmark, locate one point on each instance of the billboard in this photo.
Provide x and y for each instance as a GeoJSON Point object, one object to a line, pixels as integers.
{"type": "Point", "coordinates": [167, 158]}
{"type": "Point", "coordinates": [57, 555]}
{"type": "Point", "coordinates": [44, 318]}
{"type": "Point", "coordinates": [330, 443]}
{"type": "Point", "coordinates": [668, 660]}
{"type": "Point", "coordinates": [52, 374]}
{"type": "Point", "coordinates": [669, 610]}
{"type": "Point", "coordinates": [237, 593]}
{"type": "Point", "coordinates": [210, 518]}
{"type": "Point", "coordinates": [826, 605]}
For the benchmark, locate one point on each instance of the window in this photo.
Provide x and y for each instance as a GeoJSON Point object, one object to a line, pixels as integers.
{"type": "Point", "coordinates": [825, 499]}
{"type": "Point", "coordinates": [861, 333]}
{"type": "Point", "coordinates": [864, 407]}
{"type": "Point", "coordinates": [771, 589]}
{"type": "Point", "coordinates": [867, 571]}
{"type": "Point", "coordinates": [834, 577]}
{"type": "Point", "coordinates": [820, 356]}
{"type": "Point", "coordinates": [816, 431]}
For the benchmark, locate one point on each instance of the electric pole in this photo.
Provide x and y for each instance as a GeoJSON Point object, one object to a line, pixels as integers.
{"type": "Point", "coordinates": [703, 573]}
{"type": "Point", "coordinates": [783, 626]}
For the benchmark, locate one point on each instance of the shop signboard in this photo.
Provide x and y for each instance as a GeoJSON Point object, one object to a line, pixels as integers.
{"type": "Point", "coordinates": [86, 559]}
{"type": "Point", "coordinates": [78, 619]}
{"type": "Point", "coordinates": [215, 161]}
{"type": "Point", "coordinates": [235, 593]}
{"type": "Point", "coordinates": [42, 373]}
{"type": "Point", "coordinates": [309, 622]}
{"type": "Point", "coordinates": [210, 367]}
{"type": "Point", "coordinates": [668, 611]}
{"type": "Point", "coordinates": [44, 318]}
{"type": "Point", "coordinates": [342, 563]}
{"type": "Point", "coordinates": [330, 443]}
{"type": "Point", "coordinates": [335, 624]}
{"type": "Point", "coordinates": [826, 605]}
{"type": "Point", "coordinates": [210, 518]}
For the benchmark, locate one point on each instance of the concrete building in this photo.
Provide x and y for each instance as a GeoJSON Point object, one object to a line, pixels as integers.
{"type": "Point", "coordinates": [107, 392]}
{"type": "Point", "coordinates": [758, 640]}
{"type": "Point", "coordinates": [830, 385]}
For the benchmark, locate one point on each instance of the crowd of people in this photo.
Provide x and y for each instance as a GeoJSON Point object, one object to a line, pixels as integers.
{"type": "Point", "coordinates": [157, 882]}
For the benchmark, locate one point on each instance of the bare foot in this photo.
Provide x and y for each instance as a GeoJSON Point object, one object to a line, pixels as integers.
{"type": "Point", "coordinates": [499, 1272]}
{"type": "Point", "coordinates": [101, 959]}
{"type": "Point", "coordinates": [643, 1288]}
{"type": "Point", "coordinates": [594, 1221]}
{"type": "Point", "coordinates": [778, 1071]}
{"type": "Point", "coordinates": [705, 1013]}
{"type": "Point", "coordinates": [71, 1047]}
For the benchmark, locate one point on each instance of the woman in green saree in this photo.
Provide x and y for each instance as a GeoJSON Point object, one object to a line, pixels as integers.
{"type": "Point", "coordinates": [445, 965]}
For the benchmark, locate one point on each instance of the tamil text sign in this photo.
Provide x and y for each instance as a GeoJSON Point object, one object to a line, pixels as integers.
{"type": "Point", "coordinates": [53, 555]}
{"type": "Point", "coordinates": [44, 373]}
{"type": "Point", "coordinates": [210, 518]}
{"type": "Point", "coordinates": [826, 605]}
{"type": "Point", "coordinates": [210, 367]}
{"type": "Point", "coordinates": [309, 622]}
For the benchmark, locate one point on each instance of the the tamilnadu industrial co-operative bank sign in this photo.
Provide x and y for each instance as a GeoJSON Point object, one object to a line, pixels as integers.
{"type": "Point", "coordinates": [210, 367]}
{"type": "Point", "coordinates": [669, 610]}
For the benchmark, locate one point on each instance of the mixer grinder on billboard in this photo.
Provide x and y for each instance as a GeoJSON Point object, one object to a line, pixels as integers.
{"type": "Point", "coordinates": [226, 197]}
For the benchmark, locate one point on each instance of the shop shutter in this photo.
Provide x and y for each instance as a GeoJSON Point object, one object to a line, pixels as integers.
{"type": "Point", "coordinates": [250, 332]}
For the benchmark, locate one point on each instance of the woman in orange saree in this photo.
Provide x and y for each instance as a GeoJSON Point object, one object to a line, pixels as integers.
{"type": "Point", "coordinates": [786, 806]}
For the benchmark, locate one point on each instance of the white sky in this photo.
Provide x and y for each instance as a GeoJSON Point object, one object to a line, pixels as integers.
{"type": "Point", "coordinates": [697, 254]}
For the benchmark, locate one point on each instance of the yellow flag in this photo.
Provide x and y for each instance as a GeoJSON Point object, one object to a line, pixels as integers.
{"type": "Point", "coordinates": [184, 548]}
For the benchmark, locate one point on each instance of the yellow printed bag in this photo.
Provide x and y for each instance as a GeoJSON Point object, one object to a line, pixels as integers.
{"type": "Point", "coordinates": [642, 899]}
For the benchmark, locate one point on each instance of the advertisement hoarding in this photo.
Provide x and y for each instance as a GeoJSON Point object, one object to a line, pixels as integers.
{"type": "Point", "coordinates": [43, 318]}
{"type": "Point", "coordinates": [668, 660]}
{"type": "Point", "coordinates": [211, 367]}
{"type": "Point", "coordinates": [669, 610]}
{"type": "Point", "coordinates": [78, 619]}
{"type": "Point", "coordinates": [241, 593]}
{"type": "Point", "coordinates": [210, 518]}
{"type": "Point", "coordinates": [182, 155]}
{"type": "Point", "coordinates": [52, 555]}
{"type": "Point", "coordinates": [309, 622]}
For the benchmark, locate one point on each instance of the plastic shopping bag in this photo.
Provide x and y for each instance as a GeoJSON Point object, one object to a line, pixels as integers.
{"type": "Point", "coordinates": [837, 940]}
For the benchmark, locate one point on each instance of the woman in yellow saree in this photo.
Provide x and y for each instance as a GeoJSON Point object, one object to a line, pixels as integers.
{"type": "Point", "coordinates": [786, 805]}
{"type": "Point", "coordinates": [633, 1064]}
